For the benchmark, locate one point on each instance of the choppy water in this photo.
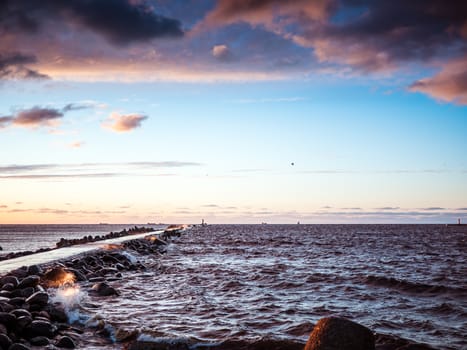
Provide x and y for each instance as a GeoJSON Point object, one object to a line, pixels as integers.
{"type": "Point", "coordinates": [247, 282]}
{"type": "Point", "coordinates": [250, 282]}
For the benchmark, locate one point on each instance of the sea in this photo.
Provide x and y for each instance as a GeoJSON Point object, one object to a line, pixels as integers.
{"type": "Point", "coordinates": [254, 282]}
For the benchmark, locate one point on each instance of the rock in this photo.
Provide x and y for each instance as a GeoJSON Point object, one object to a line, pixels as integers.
{"type": "Point", "coordinates": [57, 313]}
{"type": "Point", "coordinates": [336, 333]}
{"type": "Point", "coordinates": [3, 329]}
{"type": "Point", "coordinates": [34, 270]}
{"type": "Point", "coordinates": [40, 328]}
{"type": "Point", "coordinates": [22, 322]}
{"type": "Point", "coordinates": [18, 346]}
{"type": "Point", "coordinates": [21, 272]}
{"type": "Point", "coordinates": [7, 319]}
{"type": "Point", "coordinates": [5, 294]}
{"type": "Point", "coordinates": [8, 286]}
{"type": "Point", "coordinates": [5, 341]}
{"type": "Point", "coordinates": [17, 301]}
{"type": "Point", "coordinates": [39, 341]}
{"type": "Point", "coordinates": [30, 281]}
{"type": "Point", "coordinates": [21, 312]}
{"type": "Point", "coordinates": [125, 335]}
{"type": "Point", "coordinates": [38, 298]}
{"type": "Point", "coordinates": [66, 342]}
{"type": "Point", "coordinates": [27, 292]}
{"type": "Point", "coordinates": [78, 275]}
{"type": "Point", "coordinates": [103, 289]}
{"type": "Point", "coordinates": [9, 279]}
{"type": "Point", "coordinates": [57, 276]}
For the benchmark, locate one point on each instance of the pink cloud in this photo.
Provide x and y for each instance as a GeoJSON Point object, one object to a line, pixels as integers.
{"type": "Point", "coordinates": [449, 85]}
{"type": "Point", "coordinates": [265, 11]}
{"type": "Point", "coordinates": [124, 122]}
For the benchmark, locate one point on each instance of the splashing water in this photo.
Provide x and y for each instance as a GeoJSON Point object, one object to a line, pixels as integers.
{"type": "Point", "coordinates": [71, 297]}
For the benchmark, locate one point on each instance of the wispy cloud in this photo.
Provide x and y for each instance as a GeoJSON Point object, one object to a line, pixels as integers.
{"type": "Point", "coordinates": [123, 122]}
{"type": "Point", "coordinates": [90, 170]}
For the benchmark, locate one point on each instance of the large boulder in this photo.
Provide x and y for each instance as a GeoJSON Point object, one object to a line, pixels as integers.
{"type": "Point", "coordinates": [337, 333]}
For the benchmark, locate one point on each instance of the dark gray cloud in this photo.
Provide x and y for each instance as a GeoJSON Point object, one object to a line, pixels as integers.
{"type": "Point", "coordinates": [433, 208]}
{"type": "Point", "coordinates": [13, 66]}
{"type": "Point", "coordinates": [37, 117]}
{"type": "Point", "coordinates": [33, 118]}
{"type": "Point", "coordinates": [119, 21]}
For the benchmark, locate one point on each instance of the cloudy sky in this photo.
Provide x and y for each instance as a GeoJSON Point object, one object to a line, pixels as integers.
{"type": "Point", "coordinates": [242, 111]}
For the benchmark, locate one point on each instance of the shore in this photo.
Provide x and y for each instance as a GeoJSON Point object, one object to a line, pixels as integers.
{"type": "Point", "coordinates": [39, 303]}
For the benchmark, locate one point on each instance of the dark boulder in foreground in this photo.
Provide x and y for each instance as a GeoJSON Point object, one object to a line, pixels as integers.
{"type": "Point", "coordinates": [336, 333]}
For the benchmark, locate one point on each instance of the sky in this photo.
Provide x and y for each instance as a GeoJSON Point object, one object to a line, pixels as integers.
{"type": "Point", "coordinates": [233, 111]}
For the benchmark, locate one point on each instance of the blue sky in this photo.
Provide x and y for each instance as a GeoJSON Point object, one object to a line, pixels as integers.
{"type": "Point", "coordinates": [127, 138]}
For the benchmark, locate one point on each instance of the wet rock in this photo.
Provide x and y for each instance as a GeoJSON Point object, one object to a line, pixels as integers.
{"type": "Point", "coordinates": [66, 342]}
{"type": "Point", "coordinates": [56, 276]}
{"type": "Point", "coordinates": [38, 298]}
{"type": "Point", "coordinates": [7, 319]}
{"type": "Point", "coordinates": [30, 281]}
{"type": "Point", "coordinates": [34, 270]}
{"type": "Point", "coordinates": [39, 341]}
{"type": "Point", "coordinates": [5, 341]}
{"type": "Point", "coordinates": [125, 335]}
{"type": "Point", "coordinates": [57, 313]}
{"type": "Point", "coordinates": [8, 287]}
{"type": "Point", "coordinates": [3, 329]}
{"type": "Point", "coordinates": [336, 333]}
{"type": "Point", "coordinates": [22, 322]}
{"type": "Point", "coordinates": [40, 328]}
{"type": "Point", "coordinates": [9, 279]}
{"type": "Point", "coordinates": [5, 294]}
{"type": "Point", "coordinates": [103, 289]}
{"type": "Point", "coordinates": [21, 312]}
{"type": "Point", "coordinates": [18, 346]}
{"type": "Point", "coordinates": [17, 302]}
{"type": "Point", "coordinates": [78, 275]}
{"type": "Point", "coordinates": [27, 292]}
{"type": "Point", "coordinates": [20, 273]}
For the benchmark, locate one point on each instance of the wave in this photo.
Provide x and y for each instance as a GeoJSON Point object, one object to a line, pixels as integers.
{"type": "Point", "coordinates": [412, 287]}
{"type": "Point", "coordinates": [148, 342]}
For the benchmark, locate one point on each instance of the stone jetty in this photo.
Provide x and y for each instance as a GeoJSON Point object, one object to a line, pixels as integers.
{"type": "Point", "coordinates": [28, 316]}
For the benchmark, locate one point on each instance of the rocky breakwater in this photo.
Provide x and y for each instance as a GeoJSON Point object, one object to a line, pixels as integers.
{"type": "Point", "coordinates": [64, 242]}
{"type": "Point", "coordinates": [32, 312]}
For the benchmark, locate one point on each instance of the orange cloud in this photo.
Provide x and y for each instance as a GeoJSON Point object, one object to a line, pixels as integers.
{"type": "Point", "coordinates": [124, 122]}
